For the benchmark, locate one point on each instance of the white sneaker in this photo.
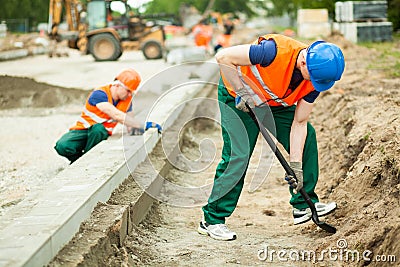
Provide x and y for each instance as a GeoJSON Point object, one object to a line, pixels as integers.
{"type": "Point", "coordinates": [216, 231]}
{"type": "Point", "coordinates": [304, 215]}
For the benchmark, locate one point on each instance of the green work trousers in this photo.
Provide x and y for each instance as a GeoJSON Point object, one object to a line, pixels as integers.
{"type": "Point", "coordinates": [240, 133]}
{"type": "Point", "coordinates": [75, 143]}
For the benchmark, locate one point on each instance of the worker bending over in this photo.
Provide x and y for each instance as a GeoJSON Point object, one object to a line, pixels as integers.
{"type": "Point", "coordinates": [105, 107]}
{"type": "Point", "coordinates": [280, 77]}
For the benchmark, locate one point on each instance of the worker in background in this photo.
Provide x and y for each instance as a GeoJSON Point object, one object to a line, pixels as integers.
{"type": "Point", "coordinates": [105, 107]}
{"type": "Point", "coordinates": [224, 40]}
{"type": "Point", "coordinates": [279, 77]}
{"type": "Point", "coordinates": [203, 33]}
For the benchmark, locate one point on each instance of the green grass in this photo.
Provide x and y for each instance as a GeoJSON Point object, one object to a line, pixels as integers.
{"type": "Point", "coordinates": [389, 58]}
{"type": "Point", "coordinates": [396, 70]}
{"type": "Point", "coordinates": [366, 137]}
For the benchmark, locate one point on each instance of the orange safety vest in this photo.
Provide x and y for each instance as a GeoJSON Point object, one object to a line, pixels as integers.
{"type": "Point", "coordinates": [202, 35]}
{"type": "Point", "coordinates": [270, 84]}
{"type": "Point", "coordinates": [92, 115]}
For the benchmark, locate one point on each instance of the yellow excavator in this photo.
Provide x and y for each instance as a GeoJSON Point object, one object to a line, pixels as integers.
{"type": "Point", "coordinates": [104, 28]}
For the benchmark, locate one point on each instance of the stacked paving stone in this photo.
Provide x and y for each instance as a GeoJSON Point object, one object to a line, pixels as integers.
{"type": "Point", "coordinates": [313, 23]}
{"type": "Point", "coordinates": [364, 21]}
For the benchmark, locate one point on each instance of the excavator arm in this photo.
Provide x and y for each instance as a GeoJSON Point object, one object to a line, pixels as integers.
{"type": "Point", "coordinates": [76, 32]}
{"type": "Point", "coordinates": [56, 12]}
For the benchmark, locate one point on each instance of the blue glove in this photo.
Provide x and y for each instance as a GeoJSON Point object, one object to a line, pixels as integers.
{"type": "Point", "coordinates": [150, 124]}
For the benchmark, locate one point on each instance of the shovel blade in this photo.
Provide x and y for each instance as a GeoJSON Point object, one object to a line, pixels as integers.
{"type": "Point", "coordinates": [314, 216]}
{"type": "Point", "coordinates": [324, 226]}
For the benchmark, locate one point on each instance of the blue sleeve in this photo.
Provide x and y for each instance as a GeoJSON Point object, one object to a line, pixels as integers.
{"type": "Point", "coordinates": [263, 53]}
{"type": "Point", "coordinates": [310, 98]}
{"type": "Point", "coordinates": [97, 96]}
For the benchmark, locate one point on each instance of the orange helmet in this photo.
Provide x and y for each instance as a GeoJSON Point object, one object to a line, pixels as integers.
{"type": "Point", "coordinates": [130, 78]}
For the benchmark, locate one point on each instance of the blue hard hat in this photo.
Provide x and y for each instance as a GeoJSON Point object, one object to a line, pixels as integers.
{"type": "Point", "coordinates": [325, 64]}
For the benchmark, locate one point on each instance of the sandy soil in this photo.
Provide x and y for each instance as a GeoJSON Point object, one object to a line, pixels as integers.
{"type": "Point", "coordinates": [33, 115]}
{"type": "Point", "coordinates": [168, 236]}
{"type": "Point", "coordinates": [359, 134]}
{"type": "Point", "coordinates": [358, 130]}
{"type": "Point", "coordinates": [261, 220]}
{"type": "Point", "coordinates": [17, 41]}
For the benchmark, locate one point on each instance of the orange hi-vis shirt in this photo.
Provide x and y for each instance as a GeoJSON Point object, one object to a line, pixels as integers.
{"type": "Point", "coordinates": [202, 35]}
{"type": "Point", "coordinates": [270, 85]}
{"type": "Point", "coordinates": [92, 115]}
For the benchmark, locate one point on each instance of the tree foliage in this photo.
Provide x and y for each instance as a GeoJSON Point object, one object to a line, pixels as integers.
{"type": "Point", "coordinates": [34, 10]}
{"type": "Point", "coordinates": [37, 10]}
{"type": "Point", "coordinates": [394, 13]}
{"type": "Point", "coordinates": [291, 7]}
{"type": "Point", "coordinates": [223, 6]}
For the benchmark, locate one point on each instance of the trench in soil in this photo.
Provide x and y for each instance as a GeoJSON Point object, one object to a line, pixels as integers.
{"type": "Point", "coordinates": [168, 236]}
{"type": "Point", "coordinates": [262, 219]}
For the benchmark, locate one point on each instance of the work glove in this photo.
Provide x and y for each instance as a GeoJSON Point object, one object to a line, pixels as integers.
{"type": "Point", "coordinates": [137, 131]}
{"type": "Point", "coordinates": [298, 171]}
{"type": "Point", "coordinates": [242, 98]}
{"type": "Point", "coordinates": [150, 124]}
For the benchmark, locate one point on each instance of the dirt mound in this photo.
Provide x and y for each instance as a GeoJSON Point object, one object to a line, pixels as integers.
{"type": "Point", "coordinates": [16, 92]}
{"type": "Point", "coordinates": [27, 40]}
{"type": "Point", "coordinates": [338, 39]}
{"type": "Point", "coordinates": [358, 128]}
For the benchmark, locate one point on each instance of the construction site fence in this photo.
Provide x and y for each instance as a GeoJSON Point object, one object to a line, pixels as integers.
{"type": "Point", "coordinates": [16, 25]}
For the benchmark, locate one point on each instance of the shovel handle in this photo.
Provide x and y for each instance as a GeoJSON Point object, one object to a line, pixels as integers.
{"type": "Point", "coordinates": [285, 165]}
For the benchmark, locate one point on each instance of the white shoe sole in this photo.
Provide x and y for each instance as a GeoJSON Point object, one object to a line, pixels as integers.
{"type": "Point", "coordinates": [204, 231]}
{"type": "Point", "coordinates": [306, 217]}
{"type": "Point", "coordinates": [328, 209]}
{"type": "Point", "coordinates": [221, 238]}
{"type": "Point", "coordinates": [303, 219]}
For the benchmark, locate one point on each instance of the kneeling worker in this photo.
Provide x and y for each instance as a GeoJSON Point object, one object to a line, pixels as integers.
{"type": "Point", "coordinates": [105, 107]}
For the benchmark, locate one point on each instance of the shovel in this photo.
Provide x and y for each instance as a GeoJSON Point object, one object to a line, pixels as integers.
{"type": "Point", "coordinates": [285, 165]}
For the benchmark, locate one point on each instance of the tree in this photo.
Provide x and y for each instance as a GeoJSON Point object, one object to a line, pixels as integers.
{"type": "Point", "coordinates": [38, 10]}
{"type": "Point", "coordinates": [394, 13]}
{"type": "Point", "coordinates": [291, 7]}
{"type": "Point", "coordinates": [222, 6]}
{"type": "Point", "coordinates": [34, 10]}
